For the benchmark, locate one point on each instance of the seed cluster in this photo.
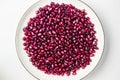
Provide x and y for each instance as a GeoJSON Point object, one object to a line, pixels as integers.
{"type": "Point", "coordinates": [60, 39]}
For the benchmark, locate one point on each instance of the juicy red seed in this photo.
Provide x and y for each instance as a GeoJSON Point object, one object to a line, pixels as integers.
{"type": "Point", "coordinates": [92, 55]}
{"type": "Point", "coordinates": [74, 73]}
{"type": "Point", "coordinates": [50, 58]}
{"type": "Point", "coordinates": [60, 39]}
{"type": "Point", "coordinates": [24, 38]}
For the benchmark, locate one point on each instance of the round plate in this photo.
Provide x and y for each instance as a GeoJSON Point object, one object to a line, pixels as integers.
{"type": "Point", "coordinates": [25, 59]}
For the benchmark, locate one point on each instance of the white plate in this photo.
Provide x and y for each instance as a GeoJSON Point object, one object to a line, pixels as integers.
{"type": "Point", "coordinates": [25, 59]}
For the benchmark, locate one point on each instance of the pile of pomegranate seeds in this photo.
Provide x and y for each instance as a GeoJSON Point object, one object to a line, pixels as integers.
{"type": "Point", "coordinates": [60, 39]}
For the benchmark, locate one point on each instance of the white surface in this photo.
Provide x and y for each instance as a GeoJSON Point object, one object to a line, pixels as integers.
{"type": "Point", "coordinates": [40, 74]}
{"type": "Point", "coordinates": [10, 14]}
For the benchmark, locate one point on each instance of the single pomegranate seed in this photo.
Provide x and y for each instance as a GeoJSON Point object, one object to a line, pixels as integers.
{"type": "Point", "coordinates": [50, 58]}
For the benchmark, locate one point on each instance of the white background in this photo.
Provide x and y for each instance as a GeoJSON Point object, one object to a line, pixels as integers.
{"type": "Point", "coordinates": [12, 10]}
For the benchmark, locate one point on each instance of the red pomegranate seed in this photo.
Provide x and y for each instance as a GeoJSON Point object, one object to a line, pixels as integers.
{"type": "Point", "coordinates": [60, 39]}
